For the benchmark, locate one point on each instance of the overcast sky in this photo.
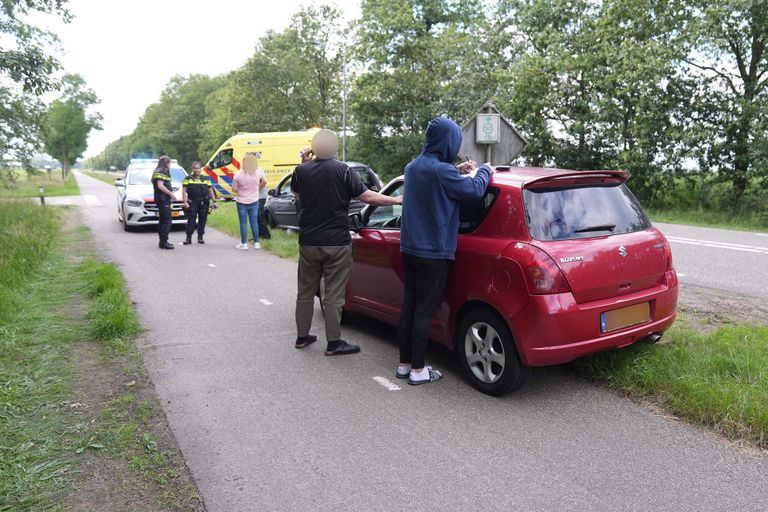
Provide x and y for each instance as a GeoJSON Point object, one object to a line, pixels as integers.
{"type": "Point", "coordinates": [128, 49]}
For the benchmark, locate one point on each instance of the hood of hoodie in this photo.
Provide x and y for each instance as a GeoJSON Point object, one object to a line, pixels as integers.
{"type": "Point", "coordinates": [443, 139]}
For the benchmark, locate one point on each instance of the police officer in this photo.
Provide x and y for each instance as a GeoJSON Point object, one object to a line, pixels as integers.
{"type": "Point", "coordinates": [161, 183]}
{"type": "Point", "coordinates": [197, 192]}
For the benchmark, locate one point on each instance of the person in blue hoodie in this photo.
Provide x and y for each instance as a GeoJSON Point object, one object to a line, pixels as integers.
{"type": "Point", "coordinates": [434, 189]}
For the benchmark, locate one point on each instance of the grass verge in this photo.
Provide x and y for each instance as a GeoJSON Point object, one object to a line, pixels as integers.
{"type": "Point", "coordinates": [718, 379]}
{"type": "Point", "coordinates": [710, 219]}
{"type": "Point", "coordinates": [109, 179]}
{"type": "Point", "coordinates": [80, 426]}
{"type": "Point", "coordinates": [25, 185]}
{"type": "Point", "coordinates": [283, 243]}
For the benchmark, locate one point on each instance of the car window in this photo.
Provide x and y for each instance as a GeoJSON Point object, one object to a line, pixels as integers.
{"type": "Point", "coordinates": [386, 216]}
{"type": "Point", "coordinates": [472, 214]}
{"type": "Point", "coordinates": [223, 158]}
{"type": "Point", "coordinates": [582, 212]}
{"type": "Point", "coordinates": [367, 177]}
{"type": "Point", "coordinates": [284, 189]}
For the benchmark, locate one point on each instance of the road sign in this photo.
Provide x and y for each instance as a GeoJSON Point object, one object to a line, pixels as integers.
{"type": "Point", "coordinates": [487, 128]}
{"type": "Point", "coordinates": [489, 137]}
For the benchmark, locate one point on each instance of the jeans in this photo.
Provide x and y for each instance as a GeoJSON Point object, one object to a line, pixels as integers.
{"type": "Point", "coordinates": [334, 263]}
{"type": "Point", "coordinates": [263, 228]}
{"type": "Point", "coordinates": [424, 283]}
{"type": "Point", "coordinates": [248, 213]}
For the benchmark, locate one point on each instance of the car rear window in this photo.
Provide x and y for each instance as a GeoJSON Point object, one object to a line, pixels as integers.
{"type": "Point", "coordinates": [582, 212]}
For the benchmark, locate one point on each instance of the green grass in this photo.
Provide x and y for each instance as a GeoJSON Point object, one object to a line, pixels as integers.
{"type": "Point", "coordinates": [713, 219]}
{"type": "Point", "coordinates": [718, 379]}
{"type": "Point", "coordinates": [61, 299]}
{"type": "Point", "coordinates": [106, 178]}
{"type": "Point", "coordinates": [283, 243]}
{"type": "Point", "coordinates": [20, 184]}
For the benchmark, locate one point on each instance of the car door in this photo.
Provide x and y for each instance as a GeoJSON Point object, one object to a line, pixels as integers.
{"type": "Point", "coordinates": [284, 206]}
{"type": "Point", "coordinates": [371, 180]}
{"type": "Point", "coordinates": [376, 283]}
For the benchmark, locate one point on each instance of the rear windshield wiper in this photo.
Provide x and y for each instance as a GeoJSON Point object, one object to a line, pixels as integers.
{"type": "Point", "coordinates": [604, 227]}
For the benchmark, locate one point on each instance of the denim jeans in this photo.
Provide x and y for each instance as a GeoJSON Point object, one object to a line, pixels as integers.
{"type": "Point", "coordinates": [248, 213]}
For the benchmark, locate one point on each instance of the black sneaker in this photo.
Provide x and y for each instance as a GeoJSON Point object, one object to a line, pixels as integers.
{"type": "Point", "coordinates": [166, 245]}
{"type": "Point", "coordinates": [188, 241]}
{"type": "Point", "coordinates": [305, 341]}
{"type": "Point", "coordinates": [341, 348]}
{"type": "Point", "coordinates": [200, 240]}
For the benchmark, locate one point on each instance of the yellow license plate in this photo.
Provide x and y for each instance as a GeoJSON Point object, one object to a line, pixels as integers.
{"type": "Point", "coordinates": [625, 317]}
{"type": "Point", "coordinates": [175, 214]}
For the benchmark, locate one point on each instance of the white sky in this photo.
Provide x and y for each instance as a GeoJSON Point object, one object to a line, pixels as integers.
{"type": "Point", "coordinates": [128, 50]}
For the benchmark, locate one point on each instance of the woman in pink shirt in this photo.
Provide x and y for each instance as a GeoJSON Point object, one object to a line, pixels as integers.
{"type": "Point", "coordinates": [246, 184]}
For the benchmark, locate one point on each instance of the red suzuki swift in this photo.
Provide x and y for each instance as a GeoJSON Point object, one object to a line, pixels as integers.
{"type": "Point", "coordinates": [550, 265]}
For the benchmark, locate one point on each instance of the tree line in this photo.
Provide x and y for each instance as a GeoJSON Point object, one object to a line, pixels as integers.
{"type": "Point", "coordinates": [673, 91]}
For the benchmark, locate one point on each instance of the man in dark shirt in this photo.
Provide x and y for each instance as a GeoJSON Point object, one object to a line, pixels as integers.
{"type": "Point", "coordinates": [325, 186]}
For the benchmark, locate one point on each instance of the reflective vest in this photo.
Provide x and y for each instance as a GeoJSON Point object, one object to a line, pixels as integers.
{"type": "Point", "coordinates": [198, 188]}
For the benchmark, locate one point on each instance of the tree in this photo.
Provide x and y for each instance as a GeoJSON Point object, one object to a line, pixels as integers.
{"type": "Point", "coordinates": [419, 59]}
{"type": "Point", "coordinates": [726, 56]}
{"type": "Point", "coordinates": [67, 123]}
{"type": "Point", "coordinates": [292, 82]}
{"type": "Point", "coordinates": [25, 61]}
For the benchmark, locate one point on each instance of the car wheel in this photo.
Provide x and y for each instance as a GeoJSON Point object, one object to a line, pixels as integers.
{"type": "Point", "coordinates": [270, 220]}
{"type": "Point", "coordinates": [487, 354]}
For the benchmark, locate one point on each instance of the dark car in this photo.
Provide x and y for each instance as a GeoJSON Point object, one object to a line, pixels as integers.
{"type": "Point", "coordinates": [282, 208]}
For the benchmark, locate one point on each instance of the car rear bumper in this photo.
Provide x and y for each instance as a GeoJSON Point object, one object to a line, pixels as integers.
{"type": "Point", "coordinates": [555, 329]}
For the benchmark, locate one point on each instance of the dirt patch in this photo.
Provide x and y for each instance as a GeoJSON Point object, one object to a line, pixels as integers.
{"type": "Point", "coordinates": [706, 309]}
{"type": "Point", "coordinates": [126, 457]}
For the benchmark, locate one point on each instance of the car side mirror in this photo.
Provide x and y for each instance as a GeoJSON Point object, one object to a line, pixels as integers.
{"type": "Point", "coordinates": [355, 222]}
{"type": "Point", "coordinates": [272, 193]}
{"type": "Point", "coordinates": [120, 182]}
{"type": "Point", "coordinates": [374, 188]}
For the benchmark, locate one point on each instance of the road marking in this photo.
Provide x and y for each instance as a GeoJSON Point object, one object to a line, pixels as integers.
{"type": "Point", "coordinates": [91, 200]}
{"type": "Point", "coordinates": [211, 265]}
{"type": "Point", "coordinates": [680, 275]}
{"type": "Point", "coordinates": [391, 386]}
{"type": "Point", "coordinates": [265, 302]}
{"type": "Point", "coordinates": [719, 245]}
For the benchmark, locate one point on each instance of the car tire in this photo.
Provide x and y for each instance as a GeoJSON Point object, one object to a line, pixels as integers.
{"type": "Point", "coordinates": [487, 353]}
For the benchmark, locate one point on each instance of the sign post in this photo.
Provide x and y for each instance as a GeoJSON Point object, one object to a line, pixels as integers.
{"type": "Point", "coordinates": [490, 137]}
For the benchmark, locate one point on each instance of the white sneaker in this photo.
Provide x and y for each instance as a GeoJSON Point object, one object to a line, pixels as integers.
{"type": "Point", "coordinates": [256, 245]}
{"type": "Point", "coordinates": [242, 247]}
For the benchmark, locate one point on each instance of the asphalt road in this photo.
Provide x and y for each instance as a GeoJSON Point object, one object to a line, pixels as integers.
{"type": "Point", "coordinates": [264, 426]}
{"type": "Point", "coordinates": [735, 261]}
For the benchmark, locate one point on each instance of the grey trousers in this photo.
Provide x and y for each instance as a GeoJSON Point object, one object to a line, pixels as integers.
{"type": "Point", "coordinates": [334, 264]}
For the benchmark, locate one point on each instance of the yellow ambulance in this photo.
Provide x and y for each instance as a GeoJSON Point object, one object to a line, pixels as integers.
{"type": "Point", "coordinates": [278, 154]}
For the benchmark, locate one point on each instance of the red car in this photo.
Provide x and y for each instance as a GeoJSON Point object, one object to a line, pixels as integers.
{"type": "Point", "coordinates": [550, 265]}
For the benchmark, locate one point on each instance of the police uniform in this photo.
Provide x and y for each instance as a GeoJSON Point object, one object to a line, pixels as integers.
{"type": "Point", "coordinates": [163, 202]}
{"type": "Point", "coordinates": [198, 196]}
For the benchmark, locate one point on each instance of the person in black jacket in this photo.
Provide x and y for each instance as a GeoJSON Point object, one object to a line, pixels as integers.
{"type": "Point", "coordinates": [197, 193]}
{"type": "Point", "coordinates": [161, 183]}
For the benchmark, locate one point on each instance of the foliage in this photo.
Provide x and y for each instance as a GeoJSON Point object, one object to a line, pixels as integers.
{"type": "Point", "coordinates": [26, 185]}
{"type": "Point", "coordinates": [669, 90]}
{"type": "Point", "coordinates": [67, 123]}
{"type": "Point", "coordinates": [27, 70]}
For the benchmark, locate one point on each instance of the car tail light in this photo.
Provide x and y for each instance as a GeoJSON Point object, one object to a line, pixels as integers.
{"type": "Point", "coordinates": [542, 275]}
{"type": "Point", "coordinates": [668, 255]}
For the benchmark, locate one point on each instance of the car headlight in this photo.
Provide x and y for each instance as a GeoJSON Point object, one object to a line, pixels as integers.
{"type": "Point", "coordinates": [134, 202]}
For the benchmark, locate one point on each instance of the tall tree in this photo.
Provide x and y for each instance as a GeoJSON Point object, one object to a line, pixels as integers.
{"type": "Point", "coordinates": [67, 123]}
{"type": "Point", "coordinates": [292, 82]}
{"type": "Point", "coordinates": [726, 54]}
{"type": "Point", "coordinates": [418, 59]}
{"type": "Point", "coordinates": [27, 68]}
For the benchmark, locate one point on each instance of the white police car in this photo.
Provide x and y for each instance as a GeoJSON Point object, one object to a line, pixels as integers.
{"type": "Point", "coordinates": [135, 196]}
